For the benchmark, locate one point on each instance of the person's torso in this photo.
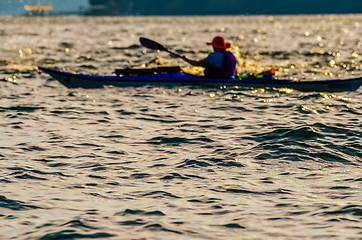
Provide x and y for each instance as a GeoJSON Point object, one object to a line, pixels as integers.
{"type": "Point", "coordinates": [216, 59]}
{"type": "Point", "coordinates": [222, 65]}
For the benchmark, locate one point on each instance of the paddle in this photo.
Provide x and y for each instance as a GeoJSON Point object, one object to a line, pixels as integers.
{"type": "Point", "coordinates": [148, 43]}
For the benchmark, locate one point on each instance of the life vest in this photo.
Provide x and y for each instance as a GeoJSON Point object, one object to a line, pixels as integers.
{"type": "Point", "coordinates": [228, 69]}
{"type": "Point", "coordinates": [230, 65]}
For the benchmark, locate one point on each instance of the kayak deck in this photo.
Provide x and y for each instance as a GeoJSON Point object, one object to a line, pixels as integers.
{"type": "Point", "coordinates": [72, 80]}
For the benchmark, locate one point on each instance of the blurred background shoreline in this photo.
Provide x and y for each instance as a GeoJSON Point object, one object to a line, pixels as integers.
{"type": "Point", "coordinates": [186, 7]}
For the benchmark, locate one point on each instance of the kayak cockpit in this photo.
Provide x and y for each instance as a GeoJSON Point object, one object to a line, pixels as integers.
{"type": "Point", "coordinates": [128, 72]}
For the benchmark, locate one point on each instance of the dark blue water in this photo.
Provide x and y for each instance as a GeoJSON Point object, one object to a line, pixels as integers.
{"type": "Point", "coordinates": [179, 163]}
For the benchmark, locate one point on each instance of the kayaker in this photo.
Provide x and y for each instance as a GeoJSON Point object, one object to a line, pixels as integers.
{"type": "Point", "coordinates": [219, 64]}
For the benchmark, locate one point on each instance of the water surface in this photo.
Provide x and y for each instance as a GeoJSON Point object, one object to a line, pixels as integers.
{"type": "Point", "coordinates": [179, 163]}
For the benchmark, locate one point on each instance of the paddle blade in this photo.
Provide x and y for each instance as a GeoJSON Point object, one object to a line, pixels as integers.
{"type": "Point", "coordinates": [148, 43]}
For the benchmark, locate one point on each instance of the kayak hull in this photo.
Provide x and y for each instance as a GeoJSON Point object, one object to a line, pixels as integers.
{"type": "Point", "coordinates": [72, 80]}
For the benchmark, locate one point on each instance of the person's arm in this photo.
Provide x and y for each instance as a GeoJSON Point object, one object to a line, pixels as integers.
{"type": "Point", "coordinates": [200, 63]}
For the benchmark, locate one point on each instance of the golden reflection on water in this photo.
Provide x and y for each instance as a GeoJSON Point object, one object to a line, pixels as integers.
{"type": "Point", "coordinates": [10, 79]}
{"type": "Point", "coordinates": [326, 96]}
{"type": "Point", "coordinates": [258, 90]}
{"type": "Point", "coordinates": [355, 55]}
{"type": "Point", "coordinates": [29, 51]}
{"type": "Point", "coordinates": [307, 109]}
{"type": "Point", "coordinates": [20, 68]}
{"type": "Point", "coordinates": [286, 90]}
{"type": "Point", "coordinates": [332, 63]}
{"type": "Point", "coordinates": [333, 96]}
{"type": "Point", "coordinates": [20, 52]}
{"type": "Point", "coordinates": [344, 98]}
{"type": "Point", "coordinates": [313, 129]}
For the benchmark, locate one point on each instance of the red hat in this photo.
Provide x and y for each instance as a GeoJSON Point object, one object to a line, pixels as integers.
{"type": "Point", "coordinates": [219, 42]}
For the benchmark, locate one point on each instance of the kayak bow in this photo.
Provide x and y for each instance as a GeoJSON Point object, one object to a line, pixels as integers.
{"type": "Point", "coordinates": [177, 78]}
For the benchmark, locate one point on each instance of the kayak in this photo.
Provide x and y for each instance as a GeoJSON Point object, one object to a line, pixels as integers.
{"type": "Point", "coordinates": [172, 76]}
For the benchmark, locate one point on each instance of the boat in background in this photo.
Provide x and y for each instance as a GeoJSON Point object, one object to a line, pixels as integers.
{"type": "Point", "coordinates": [173, 76]}
{"type": "Point", "coordinates": [37, 10]}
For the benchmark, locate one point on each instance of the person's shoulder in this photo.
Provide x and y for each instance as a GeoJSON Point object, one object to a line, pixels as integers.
{"type": "Point", "coordinates": [230, 54]}
{"type": "Point", "coordinates": [215, 56]}
{"type": "Point", "coordinates": [216, 59]}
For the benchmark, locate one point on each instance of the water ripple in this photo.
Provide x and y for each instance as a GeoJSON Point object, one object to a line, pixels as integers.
{"type": "Point", "coordinates": [72, 234]}
{"type": "Point", "coordinates": [15, 204]}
